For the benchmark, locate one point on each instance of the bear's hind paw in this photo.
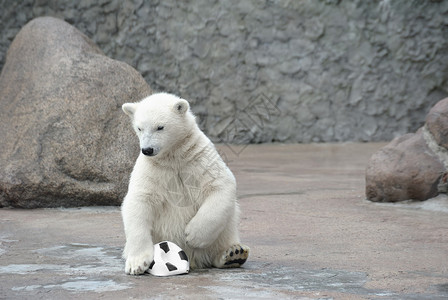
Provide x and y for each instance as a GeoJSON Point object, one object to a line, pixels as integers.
{"type": "Point", "coordinates": [233, 257]}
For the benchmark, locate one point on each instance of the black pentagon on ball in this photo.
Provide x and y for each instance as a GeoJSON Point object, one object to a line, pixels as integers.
{"type": "Point", "coordinates": [171, 267]}
{"type": "Point", "coordinates": [183, 255]}
{"type": "Point", "coordinates": [164, 246]}
{"type": "Point", "coordinates": [152, 265]}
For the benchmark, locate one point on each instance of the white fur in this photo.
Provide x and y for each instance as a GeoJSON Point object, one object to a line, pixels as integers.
{"type": "Point", "coordinates": [184, 193]}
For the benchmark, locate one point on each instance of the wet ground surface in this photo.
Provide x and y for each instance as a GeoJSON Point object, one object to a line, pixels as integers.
{"type": "Point", "coordinates": [312, 236]}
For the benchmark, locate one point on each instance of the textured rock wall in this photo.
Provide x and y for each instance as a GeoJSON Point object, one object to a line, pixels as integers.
{"type": "Point", "coordinates": [262, 71]}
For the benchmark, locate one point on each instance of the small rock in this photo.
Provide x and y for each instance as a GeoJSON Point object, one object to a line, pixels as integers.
{"type": "Point", "coordinates": [437, 122]}
{"type": "Point", "coordinates": [404, 169]}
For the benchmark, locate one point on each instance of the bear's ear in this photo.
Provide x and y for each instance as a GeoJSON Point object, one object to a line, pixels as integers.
{"type": "Point", "coordinates": [181, 106]}
{"type": "Point", "coordinates": [129, 108]}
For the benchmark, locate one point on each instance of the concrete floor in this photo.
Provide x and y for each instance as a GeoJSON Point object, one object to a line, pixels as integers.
{"type": "Point", "coordinates": [312, 236]}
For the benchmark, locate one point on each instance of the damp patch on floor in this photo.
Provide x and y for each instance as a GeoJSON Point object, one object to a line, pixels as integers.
{"type": "Point", "coordinates": [272, 281]}
{"type": "Point", "coordinates": [76, 268]}
{"type": "Point", "coordinates": [81, 285]}
{"type": "Point", "coordinates": [84, 269]}
{"type": "Point", "coordinates": [437, 204]}
{"type": "Point", "coordinates": [4, 241]}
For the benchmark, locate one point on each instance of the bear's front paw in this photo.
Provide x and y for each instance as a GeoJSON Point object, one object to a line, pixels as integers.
{"type": "Point", "coordinates": [197, 238]}
{"type": "Point", "coordinates": [138, 264]}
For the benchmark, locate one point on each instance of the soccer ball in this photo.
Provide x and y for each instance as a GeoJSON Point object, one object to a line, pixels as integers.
{"type": "Point", "coordinates": [169, 259]}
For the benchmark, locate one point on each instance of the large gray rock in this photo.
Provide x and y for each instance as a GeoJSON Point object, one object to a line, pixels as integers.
{"type": "Point", "coordinates": [414, 166]}
{"type": "Point", "coordinates": [64, 139]}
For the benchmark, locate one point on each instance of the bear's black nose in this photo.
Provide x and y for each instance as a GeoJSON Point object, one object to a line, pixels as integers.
{"type": "Point", "coordinates": [148, 151]}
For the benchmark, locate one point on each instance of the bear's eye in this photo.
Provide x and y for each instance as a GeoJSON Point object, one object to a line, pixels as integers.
{"type": "Point", "coordinates": [160, 128]}
{"type": "Point", "coordinates": [139, 129]}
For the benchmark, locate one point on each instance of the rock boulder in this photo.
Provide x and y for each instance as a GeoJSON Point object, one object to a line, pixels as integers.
{"type": "Point", "coordinates": [414, 166]}
{"type": "Point", "coordinates": [65, 141]}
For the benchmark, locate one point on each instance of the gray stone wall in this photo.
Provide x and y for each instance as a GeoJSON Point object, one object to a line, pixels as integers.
{"type": "Point", "coordinates": [263, 71]}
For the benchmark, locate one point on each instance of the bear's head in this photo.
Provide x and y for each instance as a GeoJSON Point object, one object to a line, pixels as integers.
{"type": "Point", "coordinates": [161, 121]}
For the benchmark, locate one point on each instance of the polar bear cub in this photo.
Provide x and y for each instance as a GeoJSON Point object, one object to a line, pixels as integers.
{"type": "Point", "coordinates": [180, 190]}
